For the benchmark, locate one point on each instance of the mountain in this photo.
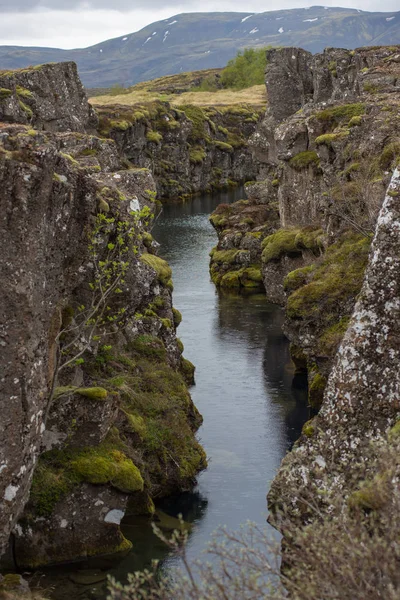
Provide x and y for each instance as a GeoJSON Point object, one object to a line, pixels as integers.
{"type": "Point", "coordinates": [194, 41]}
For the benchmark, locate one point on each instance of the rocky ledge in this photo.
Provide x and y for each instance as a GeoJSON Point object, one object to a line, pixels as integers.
{"type": "Point", "coordinates": [95, 405]}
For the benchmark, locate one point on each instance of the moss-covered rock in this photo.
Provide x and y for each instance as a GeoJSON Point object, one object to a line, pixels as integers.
{"type": "Point", "coordinates": [316, 388]}
{"type": "Point", "coordinates": [95, 393]}
{"type": "Point", "coordinates": [291, 242]}
{"type": "Point", "coordinates": [302, 160]}
{"type": "Point", "coordinates": [339, 276]}
{"type": "Point", "coordinates": [187, 370]}
{"type": "Point", "coordinates": [160, 266]}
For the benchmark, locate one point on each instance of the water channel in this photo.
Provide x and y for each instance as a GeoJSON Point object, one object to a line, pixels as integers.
{"type": "Point", "coordinates": [253, 411]}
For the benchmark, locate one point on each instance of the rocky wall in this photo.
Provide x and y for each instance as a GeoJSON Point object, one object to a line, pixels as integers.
{"type": "Point", "coordinates": [327, 147]}
{"type": "Point", "coordinates": [95, 408]}
{"type": "Point", "coordinates": [189, 149]}
{"type": "Point", "coordinates": [361, 401]}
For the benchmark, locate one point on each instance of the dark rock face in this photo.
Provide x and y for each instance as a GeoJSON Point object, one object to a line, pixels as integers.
{"type": "Point", "coordinates": [289, 81]}
{"type": "Point", "coordinates": [86, 520]}
{"type": "Point", "coordinates": [362, 397]}
{"type": "Point", "coordinates": [188, 150]}
{"type": "Point", "coordinates": [49, 97]}
{"type": "Point", "coordinates": [73, 441]}
{"type": "Point", "coordinates": [43, 247]}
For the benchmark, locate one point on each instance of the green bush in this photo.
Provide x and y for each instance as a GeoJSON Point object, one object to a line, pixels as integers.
{"type": "Point", "coordinates": [246, 69]}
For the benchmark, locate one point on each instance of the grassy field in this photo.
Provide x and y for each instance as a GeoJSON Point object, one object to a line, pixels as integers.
{"type": "Point", "coordinates": [256, 96]}
{"type": "Point", "coordinates": [183, 89]}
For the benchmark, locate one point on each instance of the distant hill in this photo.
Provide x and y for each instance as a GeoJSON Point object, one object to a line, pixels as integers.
{"type": "Point", "coordinates": [194, 41]}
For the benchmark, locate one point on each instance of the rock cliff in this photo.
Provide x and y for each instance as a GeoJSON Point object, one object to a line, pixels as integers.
{"type": "Point", "coordinates": [361, 401]}
{"type": "Point", "coordinates": [188, 149]}
{"type": "Point", "coordinates": [327, 148]}
{"type": "Point", "coordinates": [95, 408]}
{"type": "Point", "coordinates": [325, 231]}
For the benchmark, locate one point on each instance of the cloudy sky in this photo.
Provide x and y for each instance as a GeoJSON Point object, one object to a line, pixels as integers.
{"type": "Point", "coordinates": [76, 23]}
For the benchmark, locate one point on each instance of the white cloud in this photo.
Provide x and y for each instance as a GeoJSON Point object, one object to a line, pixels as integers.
{"type": "Point", "coordinates": [72, 29]}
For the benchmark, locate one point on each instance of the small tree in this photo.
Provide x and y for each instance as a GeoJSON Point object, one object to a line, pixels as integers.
{"type": "Point", "coordinates": [111, 246]}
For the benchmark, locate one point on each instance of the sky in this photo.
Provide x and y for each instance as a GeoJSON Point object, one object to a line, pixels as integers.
{"type": "Point", "coordinates": [78, 24]}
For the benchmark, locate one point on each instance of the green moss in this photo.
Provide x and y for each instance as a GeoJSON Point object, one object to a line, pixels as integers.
{"type": "Point", "coordinates": [27, 110]}
{"type": "Point", "coordinates": [147, 239]}
{"type": "Point", "coordinates": [333, 67]}
{"type": "Point", "coordinates": [253, 273]}
{"type": "Point", "coordinates": [218, 220]}
{"type": "Point", "coordinates": [180, 345]}
{"type": "Point", "coordinates": [10, 584]}
{"type": "Point", "coordinates": [339, 276]}
{"type": "Point", "coordinates": [166, 323]}
{"type": "Point", "coordinates": [197, 154]}
{"type": "Point", "coordinates": [232, 279]}
{"type": "Point", "coordinates": [291, 242]}
{"type": "Point", "coordinates": [23, 92]}
{"type": "Point", "coordinates": [223, 146]}
{"type": "Point", "coordinates": [297, 278]}
{"type": "Point", "coordinates": [394, 433]}
{"type": "Point", "coordinates": [160, 266]}
{"type": "Point", "coordinates": [198, 118]}
{"type": "Point", "coordinates": [353, 168]}
{"type": "Point", "coordinates": [187, 370]}
{"type": "Point", "coordinates": [101, 465]}
{"type": "Point", "coordinates": [370, 87]}
{"type": "Point", "coordinates": [310, 238]}
{"type": "Point", "coordinates": [371, 496]}
{"type": "Point", "coordinates": [153, 136]}
{"type": "Point", "coordinates": [94, 393]}
{"type": "Point", "coordinates": [276, 245]}
{"type": "Point", "coordinates": [308, 429]}
{"type": "Point", "coordinates": [70, 159]}
{"type": "Point", "coordinates": [332, 336]}
{"type": "Point", "coordinates": [327, 139]}
{"type": "Point", "coordinates": [390, 155]}
{"type": "Point", "coordinates": [148, 346]}
{"type": "Point", "coordinates": [177, 317]}
{"type": "Point", "coordinates": [63, 391]}
{"type": "Point", "coordinates": [224, 256]}
{"type": "Point", "coordinates": [5, 93]}
{"type": "Point", "coordinates": [121, 125]}
{"type": "Point", "coordinates": [304, 160]}
{"type": "Point", "coordinates": [340, 114]}
{"type": "Point", "coordinates": [316, 390]}
{"type": "Point", "coordinates": [355, 121]}
{"type": "Point", "coordinates": [159, 395]}
{"type": "Point", "coordinates": [275, 182]}
{"type": "Point", "coordinates": [48, 487]}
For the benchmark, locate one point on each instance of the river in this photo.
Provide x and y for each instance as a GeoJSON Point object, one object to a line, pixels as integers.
{"type": "Point", "coordinates": [244, 389]}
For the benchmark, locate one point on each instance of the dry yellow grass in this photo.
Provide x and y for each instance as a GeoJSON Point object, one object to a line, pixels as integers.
{"type": "Point", "coordinates": [255, 96]}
